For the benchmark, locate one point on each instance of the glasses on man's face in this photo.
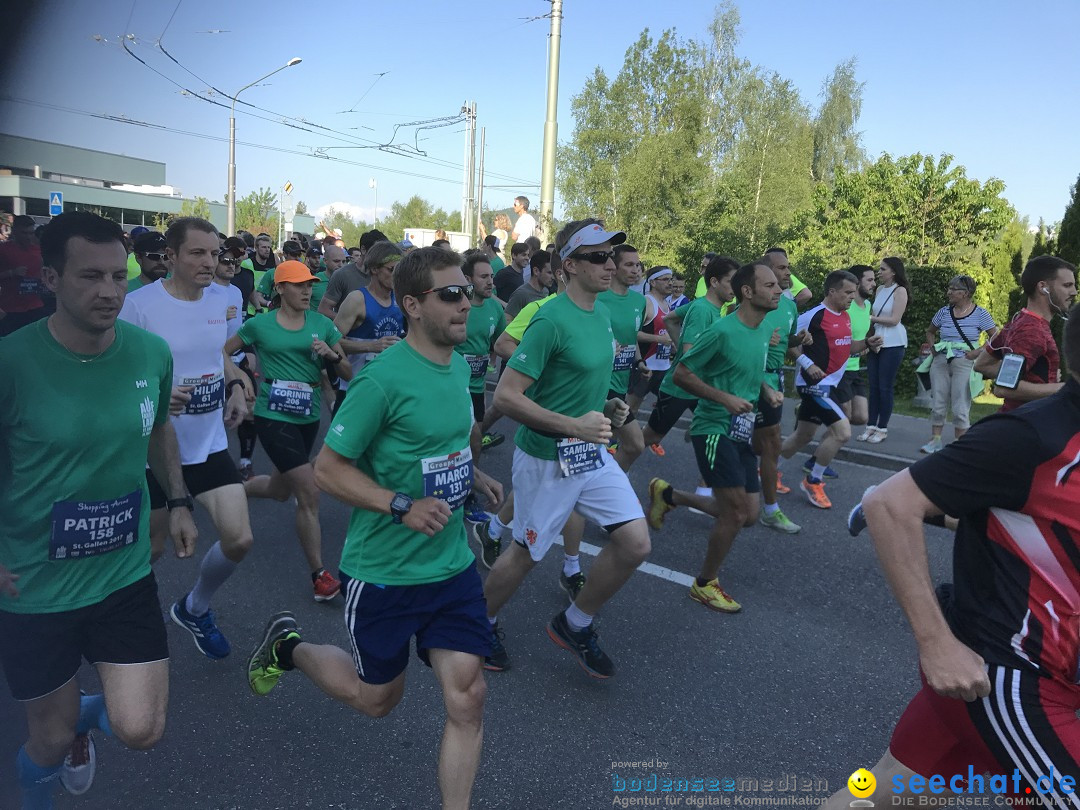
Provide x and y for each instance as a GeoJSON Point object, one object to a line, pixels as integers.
{"type": "Point", "coordinates": [452, 293]}
{"type": "Point", "coordinates": [229, 262]}
{"type": "Point", "coordinates": [957, 289]}
{"type": "Point", "coordinates": [157, 257]}
{"type": "Point", "coordinates": [596, 257]}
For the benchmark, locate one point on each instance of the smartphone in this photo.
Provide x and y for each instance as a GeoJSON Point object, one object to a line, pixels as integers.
{"type": "Point", "coordinates": [1012, 366]}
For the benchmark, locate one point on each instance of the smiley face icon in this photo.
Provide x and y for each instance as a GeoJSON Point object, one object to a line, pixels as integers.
{"type": "Point", "coordinates": [861, 783]}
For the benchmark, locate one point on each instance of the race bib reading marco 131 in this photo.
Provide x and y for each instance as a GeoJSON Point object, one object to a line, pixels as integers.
{"type": "Point", "coordinates": [448, 478]}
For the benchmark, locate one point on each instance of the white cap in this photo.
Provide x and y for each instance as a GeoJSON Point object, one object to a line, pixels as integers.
{"type": "Point", "coordinates": [591, 235]}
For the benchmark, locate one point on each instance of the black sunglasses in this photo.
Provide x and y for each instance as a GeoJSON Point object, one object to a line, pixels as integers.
{"type": "Point", "coordinates": [157, 257]}
{"type": "Point", "coordinates": [230, 262]}
{"type": "Point", "coordinates": [452, 293]}
{"type": "Point", "coordinates": [596, 257]}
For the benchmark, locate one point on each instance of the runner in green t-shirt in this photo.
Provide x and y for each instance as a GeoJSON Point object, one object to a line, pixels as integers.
{"type": "Point", "coordinates": [852, 392]}
{"type": "Point", "coordinates": [726, 370]}
{"type": "Point", "coordinates": [406, 467]}
{"type": "Point", "coordinates": [333, 259]}
{"type": "Point", "coordinates": [75, 576]}
{"type": "Point", "coordinates": [294, 346]}
{"type": "Point", "coordinates": [486, 322]}
{"type": "Point", "coordinates": [627, 308]}
{"type": "Point", "coordinates": [556, 386]}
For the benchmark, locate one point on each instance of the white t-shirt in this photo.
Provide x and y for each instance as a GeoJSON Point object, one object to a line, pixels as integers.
{"type": "Point", "coordinates": [235, 313]}
{"type": "Point", "coordinates": [882, 307]}
{"type": "Point", "coordinates": [525, 227]}
{"type": "Point", "coordinates": [196, 332]}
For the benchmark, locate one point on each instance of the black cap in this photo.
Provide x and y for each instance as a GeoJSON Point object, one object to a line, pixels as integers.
{"type": "Point", "coordinates": [314, 251]}
{"type": "Point", "coordinates": [236, 246]}
{"type": "Point", "coordinates": [149, 242]}
{"type": "Point", "coordinates": [292, 246]}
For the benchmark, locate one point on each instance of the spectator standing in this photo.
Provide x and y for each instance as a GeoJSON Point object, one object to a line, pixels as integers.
{"type": "Point", "coordinates": [890, 303]}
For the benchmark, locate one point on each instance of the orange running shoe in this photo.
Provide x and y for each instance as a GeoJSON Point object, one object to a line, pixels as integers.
{"type": "Point", "coordinates": [657, 449]}
{"type": "Point", "coordinates": [781, 487]}
{"type": "Point", "coordinates": [815, 493]}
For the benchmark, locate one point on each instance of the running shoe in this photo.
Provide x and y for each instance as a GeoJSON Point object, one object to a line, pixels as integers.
{"type": "Point", "coordinates": [326, 586]}
{"type": "Point", "coordinates": [264, 669]}
{"type": "Point", "coordinates": [491, 369]}
{"type": "Point", "coordinates": [247, 472]}
{"type": "Point", "coordinates": [473, 512]}
{"type": "Point", "coordinates": [204, 631]}
{"type": "Point", "coordinates": [583, 644]}
{"type": "Point", "coordinates": [781, 487]}
{"type": "Point", "coordinates": [779, 521]}
{"type": "Point", "coordinates": [880, 435]}
{"type": "Point", "coordinates": [658, 507]}
{"type": "Point", "coordinates": [657, 449]}
{"type": "Point", "coordinates": [489, 440]}
{"type": "Point", "coordinates": [712, 596]}
{"type": "Point", "coordinates": [815, 493]}
{"type": "Point", "coordinates": [856, 519]}
{"type": "Point", "coordinates": [498, 661]}
{"type": "Point", "coordinates": [613, 448]}
{"type": "Point", "coordinates": [489, 546]}
{"type": "Point", "coordinates": [572, 584]}
{"type": "Point", "coordinates": [829, 473]}
{"type": "Point", "coordinates": [931, 446]}
{"type": "Point", "coordinates": [80, 764]}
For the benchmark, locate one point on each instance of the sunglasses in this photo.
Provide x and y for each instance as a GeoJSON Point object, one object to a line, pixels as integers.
{"type": "Point", "coordinates": [452, 293]}
{"type": "Point", "coordinates": [230, 262]}
{"type": "Point", "coordinates": [157, 257]}
{"type": "Point", "coordinates": [597, 257]}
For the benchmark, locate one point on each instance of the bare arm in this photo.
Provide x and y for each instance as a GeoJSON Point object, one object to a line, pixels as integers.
{"type": "Point", "coordinates": [894, 513]}
{"type": "Point", "coordinates": [691, 382]}
{"type": "Point", "coordinates": [163, 455]}
{"type": "Point", "coordinates": [803, 296]}
{"type": "Point", "coordinates": [505, 346]}
{"type": "Point", "coordinates": [328, 307]}
{"type": "Point", "coordinates": [511, 400]}
{"type": "Point", "coordinates": [351, 314]}
{"type": "Point", "coordinates": [1027, 391]}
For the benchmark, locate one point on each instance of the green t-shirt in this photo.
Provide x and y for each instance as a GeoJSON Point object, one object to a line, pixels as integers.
{"type": "Point", "coordinates": [497, 264]}
{"type": "Point", "coordinates": [135, 283]}
{"type": "Point", "coordinates": [318, 289]}
{"type": "Point", "coordinates": [569, 352]}
{"type": "Point", "coordinates": [729, 356]}
{"type": "Point", "coordinates": [285, 357]}
{"type": "Point", "coordinates": [627, 313]}
{"type": "Point", "coordinates": [132, 266]}
{"type": "Point", "coordinates": [860, 325]}
{"type": "Point", "coordinates": [408, 431]}
{"type": "Point", "coordinates": [73, 445]}
{"type": "Point", "coordinates": [516, 328]}
{"type": "Point", "coordinates": [486, 323]}
{"type": "Point", "coordinates": [785, 318]}
{"type": "Point", "coordinates": [697, 316]}
{"type": "Point", "coordinates": [264, 279]}
{"type": "Point", "coordinates": [796, 285]}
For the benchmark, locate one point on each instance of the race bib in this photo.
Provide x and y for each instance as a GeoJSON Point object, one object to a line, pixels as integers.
{"type": "Point", "coordinates": [31, 286]}
{"type": "Point", "coordinates": [208, 394]}
{"type": "Point", "coordinates": [448, 478]}
{"type": "Point", "coordinates": [88, 528]}
{"type": "Point", "coordinates": [287, 396]}
{"type": "Point", "coordinates": [625, 357]}
{"type": "Point", "coordinates": [577, 456]}
{"type": "Point", "coordinates": [741, 428]}
{"type": "Point", "coordinates": [663, 351]}
{"type": "Point", "coordinates": [816, 390]}
{"type": "Point", "coordinates": [478, 364]}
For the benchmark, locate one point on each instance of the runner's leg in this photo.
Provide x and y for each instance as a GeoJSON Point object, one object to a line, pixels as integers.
{"type": "Point", "coordinates": [464, 689]}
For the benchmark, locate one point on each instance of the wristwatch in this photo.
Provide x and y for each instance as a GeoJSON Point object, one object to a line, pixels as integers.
{"type": "Point", "coordinates": [400, 505]}
{"type": "Point", "coordinates": [176, 503]}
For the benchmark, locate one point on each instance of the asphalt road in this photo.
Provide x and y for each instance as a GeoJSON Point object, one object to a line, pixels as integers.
{"type": "Point", "coordinates": [805, 684]}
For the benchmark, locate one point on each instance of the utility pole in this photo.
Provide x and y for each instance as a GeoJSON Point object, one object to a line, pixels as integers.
{"type": "Point", "coordinates": [468, 190]}
{"type": "Point", "coordinates": [551, 127]}
{"type": "Point", "coordinates": [480, 181]}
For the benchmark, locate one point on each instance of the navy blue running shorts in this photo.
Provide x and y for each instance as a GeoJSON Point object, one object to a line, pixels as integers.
{"type": "Point", "coordinates": [382, 620]}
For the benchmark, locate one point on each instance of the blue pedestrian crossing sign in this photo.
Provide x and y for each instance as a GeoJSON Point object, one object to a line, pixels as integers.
{"type": "Point", "coordinates": [56, 203]}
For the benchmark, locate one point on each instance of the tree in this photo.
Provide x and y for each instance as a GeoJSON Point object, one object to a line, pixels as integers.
{"type": "Point", "coordinates": [1068, 234]}
{"type": "Point", "coordinates": [350, 228]}
{"type": "Point", "coordinates": [301, 207]}
{"type": "Point", "coordinates": [257, 212]}
{"type": "Point", "coordinates": [199, 207]}
{"type": "Point", "coordinates": [417, 212]}
{"type": "Point", "coordinates": [836, 141]}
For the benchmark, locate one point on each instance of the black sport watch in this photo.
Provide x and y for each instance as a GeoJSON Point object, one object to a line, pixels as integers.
{"type": "Point", "coordinates": [400, 505]}
{"type": "Point", "coordinates": [176, 503]}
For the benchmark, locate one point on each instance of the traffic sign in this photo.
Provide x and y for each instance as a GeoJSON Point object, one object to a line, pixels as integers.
{"type": "Point", "coordinates": [288, 188]}
{"type": "Point", "coordinates": [56, 203]}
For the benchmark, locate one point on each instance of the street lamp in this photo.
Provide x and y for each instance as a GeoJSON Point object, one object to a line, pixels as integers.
{"type": "Point", "coordinates": [230, 226]}
{"type": "Point", "coordinates": [373, 183]}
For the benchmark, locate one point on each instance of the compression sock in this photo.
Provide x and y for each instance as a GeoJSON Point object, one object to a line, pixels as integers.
{"type": "Point", "coordinates": [213, 571]}
{"type": "Point", "coordinates": [577, 619]}
{"type": "Point", "coordinates": [571, 565]}
{"type": "Point", "coordinates": [245, 432]}
{"type": "Point", "coordinates": [36, 782]}
{"type": "Point", "coordinates": [92, 714]}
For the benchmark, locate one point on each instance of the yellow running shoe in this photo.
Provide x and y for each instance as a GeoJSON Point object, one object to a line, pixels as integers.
{"type": "Point", "coordinates": [658, 507]}
{"type": "Point", "coordinates": [712, 596]}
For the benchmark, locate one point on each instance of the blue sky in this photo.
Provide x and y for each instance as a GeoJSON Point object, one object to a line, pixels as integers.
{"type": "Point", "coordinates": [989, 82]}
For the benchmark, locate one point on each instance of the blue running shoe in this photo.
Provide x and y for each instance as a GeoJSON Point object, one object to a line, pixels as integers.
{"type": "Point", "coordinates": [856, 520]}
{"type": "Point", "coordinates": [208, 638]}
{"type": "Point", "coordinates": [829, 473]}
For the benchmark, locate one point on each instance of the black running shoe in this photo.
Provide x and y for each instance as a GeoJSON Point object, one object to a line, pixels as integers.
{"type": "Point", "coordinates": [572, 584]}
{"type": "Point", "coordinates": [498, 661]}
{"type": "Point", "coordinates": [583, 644]}
{"type": "Point", "coordinates": [489, 546]}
